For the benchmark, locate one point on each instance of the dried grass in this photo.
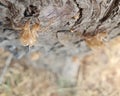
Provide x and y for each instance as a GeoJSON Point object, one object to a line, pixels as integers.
{"type": "Point", "coordinates": [99, 75]}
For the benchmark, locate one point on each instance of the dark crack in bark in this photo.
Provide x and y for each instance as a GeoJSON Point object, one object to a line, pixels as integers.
{"type": "Point", "coordinates": [112, 6]}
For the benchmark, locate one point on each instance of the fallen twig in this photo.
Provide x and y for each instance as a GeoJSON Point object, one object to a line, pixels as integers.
{"type": "Point", "coordinates": [8, 62]}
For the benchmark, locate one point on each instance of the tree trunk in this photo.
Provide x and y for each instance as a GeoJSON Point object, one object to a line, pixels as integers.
{"type": "Point", "coordinates": [67, 30]}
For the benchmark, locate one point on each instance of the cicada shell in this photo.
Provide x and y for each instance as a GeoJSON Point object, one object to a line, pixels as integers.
{"type": "Point", "coordinates": [29, 35]}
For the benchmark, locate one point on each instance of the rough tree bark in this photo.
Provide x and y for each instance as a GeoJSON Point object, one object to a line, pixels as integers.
{"type": "Point", "coordinates": [65, 26]}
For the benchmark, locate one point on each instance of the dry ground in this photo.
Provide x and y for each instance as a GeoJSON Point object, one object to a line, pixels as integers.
{"type": "Point", "coordinates": [99, 75]}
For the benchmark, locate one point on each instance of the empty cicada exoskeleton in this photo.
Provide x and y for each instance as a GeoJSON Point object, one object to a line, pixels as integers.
{"type": "Point", "coordinates": [29, 32]}
{"type": "Point", "coordinates": [28, 36]}
{"type": "Point", "coordinates": [97, 40]}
